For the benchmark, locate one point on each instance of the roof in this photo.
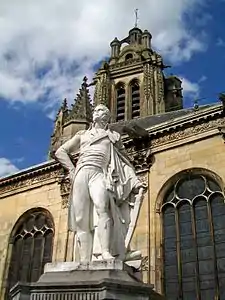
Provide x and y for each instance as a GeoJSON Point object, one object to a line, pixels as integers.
{"type": "Point", "coordinates": [150, 123]}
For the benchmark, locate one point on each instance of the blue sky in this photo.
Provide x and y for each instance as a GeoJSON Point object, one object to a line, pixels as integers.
{"type": "Point", "coordinates": [45, 53]}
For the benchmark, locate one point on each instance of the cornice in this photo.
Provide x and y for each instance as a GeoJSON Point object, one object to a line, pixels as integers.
{"type": "Point", "coordinates": [135, 63]}
{"type": "Point", "coordinates": [36, 169]}
{"type": "Point", "coordinates": [30, 177]}
{"type": "Point", "coordinates": [192, 119]}
{"type": "Point", "coordinates": [125, 64]}
{"type": "Point", "coordinates": [186, 135]}
{"type": "Point", "coordinates": [126, 71]}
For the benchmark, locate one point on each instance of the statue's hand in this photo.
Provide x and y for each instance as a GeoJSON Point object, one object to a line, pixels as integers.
{"type": "Point", "coordinates": [139, 185]}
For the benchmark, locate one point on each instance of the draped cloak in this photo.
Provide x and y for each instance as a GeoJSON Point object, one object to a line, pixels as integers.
{"type": "Point", "coordinates": [120, 181]}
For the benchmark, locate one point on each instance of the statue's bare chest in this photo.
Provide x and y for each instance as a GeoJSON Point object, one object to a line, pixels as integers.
{"type": "Point", "coordinates": [98, 140]}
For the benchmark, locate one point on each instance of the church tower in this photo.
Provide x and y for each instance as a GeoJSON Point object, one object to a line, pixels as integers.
{"type": "Point", "coordinates": [132, 83]}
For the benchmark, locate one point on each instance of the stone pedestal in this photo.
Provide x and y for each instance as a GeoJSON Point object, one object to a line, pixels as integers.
{"type": "Point", "coordinates": [100, 280]}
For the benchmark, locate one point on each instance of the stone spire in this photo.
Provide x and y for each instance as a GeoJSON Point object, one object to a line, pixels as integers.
{"type": "Point", "coordinates": [63, 111]}
{"type": "Point", "coordinates": [80, 114]}
{"type": "Point", "coordinates": [82, 109]}
{"type": "Point", "coordinates": [71, 120]}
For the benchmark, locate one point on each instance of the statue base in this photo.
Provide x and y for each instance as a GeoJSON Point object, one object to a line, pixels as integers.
{"type": "Point", "coordinates": [98, 280]}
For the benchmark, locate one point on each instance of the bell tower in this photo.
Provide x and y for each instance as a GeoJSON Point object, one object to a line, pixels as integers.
{"type": "Point", "coordinates": [132, 83]}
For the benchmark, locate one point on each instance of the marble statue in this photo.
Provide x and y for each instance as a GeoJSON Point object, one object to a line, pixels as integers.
{"type": "Point", "coordinates": [104, 191]}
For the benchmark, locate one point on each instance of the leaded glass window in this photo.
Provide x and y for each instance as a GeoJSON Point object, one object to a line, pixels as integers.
{"type": "Point", "coordinates": [31, 248]}
{"type": "Point", "coordinates": [193, 216]}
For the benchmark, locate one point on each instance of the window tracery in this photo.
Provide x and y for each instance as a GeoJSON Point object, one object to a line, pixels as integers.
{"type": "Point", "coordinates": [31, 248]}
{"type": "Point", "coordinates": [193, 216]}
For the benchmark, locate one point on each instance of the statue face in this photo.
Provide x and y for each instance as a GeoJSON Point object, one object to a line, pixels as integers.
{"type": "Point", "coordinates": [101, 113]}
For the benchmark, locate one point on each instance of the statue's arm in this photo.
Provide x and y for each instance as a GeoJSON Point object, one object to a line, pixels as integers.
{"type": "Point", "coordinates": [62, 154]}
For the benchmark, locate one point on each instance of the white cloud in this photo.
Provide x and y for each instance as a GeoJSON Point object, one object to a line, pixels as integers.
{"type": "Point", "coordinates": [7, 167]}
{"type": "Point", "coordinates": [190, 89]}
{"type": "Point", "coordinates": [41, 40]}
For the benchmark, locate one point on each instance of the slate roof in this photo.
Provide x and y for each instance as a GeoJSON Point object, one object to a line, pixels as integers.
{"type": "Point", "coordinates": [165, 118]}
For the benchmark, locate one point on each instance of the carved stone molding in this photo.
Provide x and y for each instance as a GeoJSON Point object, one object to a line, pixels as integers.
{"type": "Point", "coordinates": [149, 86]}
{"type": "Point", "coordinates": [139, 153]}
{"type": "Point", "coordinates": [97, 90]}
{"type": "Point", "coordinates": [160, 82]}
{"type": "Point", "coordinates": [105, 89]}
{"type": "Point", "coordinates": [28, 181]}
{"type": "Point", "coordinates": [65, 187]}
{"type": "Point", "coordinates": [102, 88]}
{"type": "Point", "coordinates": [187, 132]}
{"type": "Point", "coordinates": [125, 63]}
{"type": "Point", "coordinates": [147, 81]}
{"type": "Point", "coordinates": [142, 160]}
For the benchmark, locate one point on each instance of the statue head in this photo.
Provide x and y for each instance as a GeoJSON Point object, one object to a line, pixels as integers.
{"type": "Point", "coordinates": [101, 114]}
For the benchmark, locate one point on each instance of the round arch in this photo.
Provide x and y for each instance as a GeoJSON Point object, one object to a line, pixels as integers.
{"type": "Point", "coordinates": [120, 85]}
{"type": "Point", "coordinates": [134, 81]}
{"type": "Point", "coordinates": [172, 180]}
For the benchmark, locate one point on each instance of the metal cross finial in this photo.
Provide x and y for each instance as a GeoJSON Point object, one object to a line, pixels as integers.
{"type": "Point", "coordinates": [136, 17]}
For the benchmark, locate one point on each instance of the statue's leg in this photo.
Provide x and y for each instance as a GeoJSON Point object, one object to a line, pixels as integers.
{"type": "Point", "coordinates": [82, 204]}
{"type": "Point", "coordinates": [100, 198]}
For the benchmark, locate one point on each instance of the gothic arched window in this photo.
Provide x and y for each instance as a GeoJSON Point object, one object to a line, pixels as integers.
{"type": "Point", "coordinates": [135, 99]}
{"type": "Point", "coordinates": [32, 244]}
{"type": "Point", "coordinates": [120, 100]}
{"type": "Point", "coordinates": [193, 216]}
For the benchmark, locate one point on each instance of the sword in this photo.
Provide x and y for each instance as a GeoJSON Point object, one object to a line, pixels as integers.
{"type": "Point", "coordinates": [134, 216]}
